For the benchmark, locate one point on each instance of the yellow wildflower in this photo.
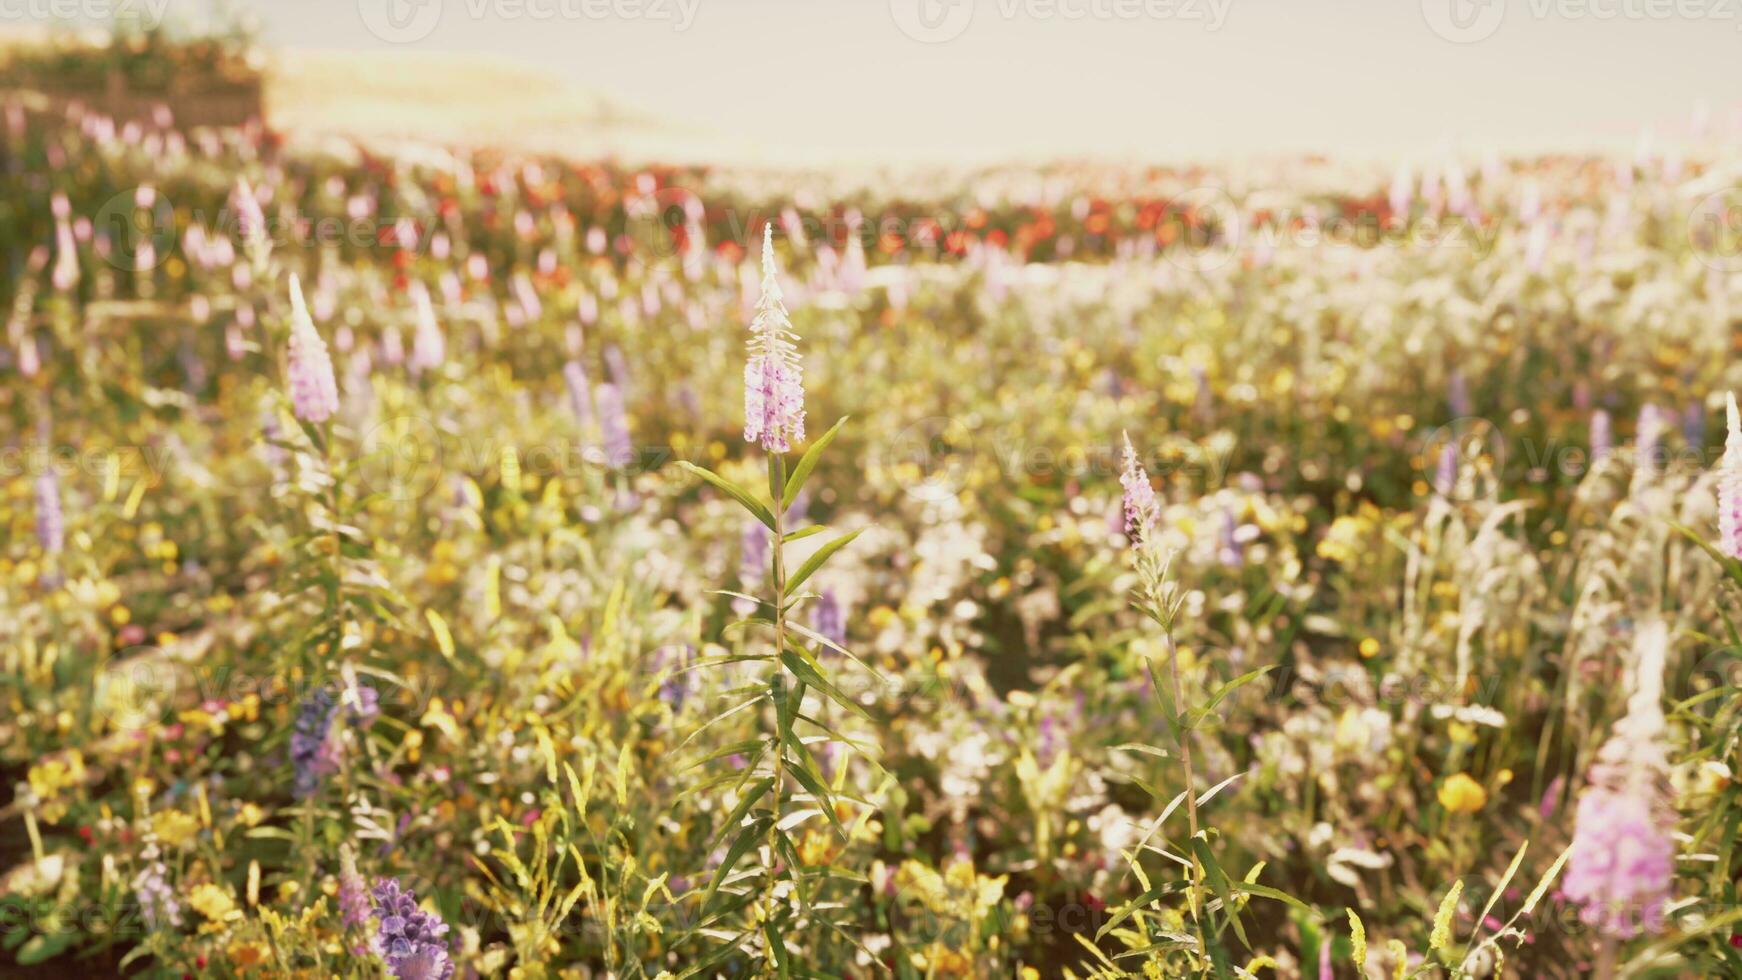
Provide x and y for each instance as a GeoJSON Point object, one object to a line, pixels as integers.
{"type": "Point", "coordinates": [1461, 794]}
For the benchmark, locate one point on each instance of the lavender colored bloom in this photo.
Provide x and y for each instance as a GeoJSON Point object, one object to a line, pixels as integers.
{"type": "Point", "coordinates": [1694, 424]}
{"type": "Point", "coordinates": [580, 395]}
{"type": "Point", "coordinates": [313, 754]}
{"type": "Point", "coordinates": [1623, 857]}
{"type": "Point", "coordinates": [1648, 437]}
{"type": "Point", "coordinates": [1730, 485]}
{"type": "Point", "coordinates": [1141, 509]}
{"type": "Point", "coordinates": [773, 378]}
{"type": "Point", "coordinates": [1458, 395]}
{"type": "Point", "coordinates": [753, 552]}
{"type": "Point", "coordinates": [428, 347]}
{"type": "Point", "coordinates": [313, 391]}
{"type": "Point", "coordinates": [157, 902]}
{"type": "Point", "coordinates": [353, 890]}
{"type": "Point", "coordinates": [50, 525]}
{"type": "Point", "coordinates": [828, 619]}
{"type": "Point", "coordinates": [408, 938]}
{"type": "Point", "coordinates": [66, 259]}
{"type": "Point", "coordinates": [1230, 551]}
{"type": "Point", "coordinates": [614, 425]}
{"type": "Point", "coordinates": [1602, 434]}
{"type": "Point", "coordinates": [1446, 472]}
{"type": "Point", "coordinates": [617, 367]}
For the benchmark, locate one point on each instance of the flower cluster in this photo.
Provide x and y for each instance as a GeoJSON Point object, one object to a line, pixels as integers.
{"type": "Point", "coordinates": [1623, 856]}
{"type": "Point", "coordinates": [314, 393]}
{"type": "Point", "coordinates": [773, 378]}
{"type": "Point", "coordinates": [409, 938]}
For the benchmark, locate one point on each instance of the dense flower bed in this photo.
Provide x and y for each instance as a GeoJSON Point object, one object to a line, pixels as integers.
{"type": "Point", "coordinates": [394, 584]}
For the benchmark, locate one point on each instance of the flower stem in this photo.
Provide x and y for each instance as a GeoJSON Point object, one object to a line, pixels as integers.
{"type": "Point", "coordinates": [1185, 755]}
{"type": "Point", "coordinates": [776, 487]}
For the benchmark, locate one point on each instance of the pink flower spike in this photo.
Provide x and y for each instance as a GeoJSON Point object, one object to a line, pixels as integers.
{"type": "Point", "coordinates": [1730, 485]}
{"type": "Point", "coordinates": [314, 394]}
{"type": "Point", "coordinates": [773, 378]}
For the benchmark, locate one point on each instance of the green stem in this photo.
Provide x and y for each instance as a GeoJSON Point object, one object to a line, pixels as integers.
{"type": "Point", "coordinates": [1185, 755]}
{"type": "Point", "coordinates": [776, 488]}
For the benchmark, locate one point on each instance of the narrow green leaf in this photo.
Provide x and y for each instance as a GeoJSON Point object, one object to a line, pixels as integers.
{"type": "Point", "coordinates": [1219, 884]}
{"type": "Point", "coordinates": [816, 560]}
{"type": "Point", "coordinates": [808, 462]}
{"type": "Point", "coordinates": [824, 798]}
{"type": "Point", "coordinates": [733, 490]}
{"type": "Point", "coordinates": [746, 840]}
{"type": "Point", "coordinates": [742, 810]}
{"type": "Point", "coordinates": [806, 670]}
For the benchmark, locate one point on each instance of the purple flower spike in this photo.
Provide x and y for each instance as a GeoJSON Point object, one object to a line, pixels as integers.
{"type": "Point", "coordinates": [773, 378]}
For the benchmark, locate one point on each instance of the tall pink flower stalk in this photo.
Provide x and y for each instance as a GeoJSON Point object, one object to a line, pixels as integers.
{"type": "Point", "coordinates": [314, 394]}
{"type": "Point", "coordinates": [1623, 858]}
{"type": "Point", "coordinates": [773, 378]}
{"type": "Point", "coordinates": [1730, 486]}
{"type": "Point", "coordinates": [1141, 508]}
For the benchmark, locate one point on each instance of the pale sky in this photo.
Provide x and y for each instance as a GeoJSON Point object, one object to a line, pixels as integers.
{"type": "Point", "coordinates": [1104, 78]}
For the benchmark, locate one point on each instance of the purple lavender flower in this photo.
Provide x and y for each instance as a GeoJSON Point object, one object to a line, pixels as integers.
{"type": "Point", "coordinates": [1694, 424]}
{"type": "Point", "coordinates": [408, 938]}
{"type": "Point", "coordinates": [1602, 434]}
{"type": "Point", "coordinates": [313, 391]}
{"type": "Point", "coordinates": [1458, 395]}
{"type": "Point", "coordinates": [1648, 437]}
{"type": "Point", "coordinates": [1730, 484]}
{"type": "Point", "coordinates": [1141, 508]}
{"type": "Point", "coordinates": [51, 530]}
{"type": "Point", "coordinates": [313, 755]}
{"type": "Point", "coordinates": [580, 395]}
{"type": "Point", "coordinates": [157, 901]}
{"type": "Point", "coordinates": [1623, 858]}
{"type": "Point", "coordinates": [66, 258]}
{"type": "Point", "coordinates": [428, 347]}
{"type": "Point", "coordinates": [617, 368]}
{"type": "Point", "coordinates": [353, 890]}
{"type": "Point", "coordinates": [1446, 473]}
{"type": "Point", "coordinates": [773, 378]}
{"type": "Point", "coordinates": [1230, 550]}
{"type": "Point", "coordinates": [614, 425]}
{"type": "Point", "coordinates": [829, 619]}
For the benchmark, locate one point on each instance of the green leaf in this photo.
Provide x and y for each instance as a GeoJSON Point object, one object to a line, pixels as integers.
{"type": "Point", "coordinates": [1219, 884]}
{"type": "Point", "coordinates": [756, 508]}
{"type": "Point", "coordinates": [804, 532]}
{"type": "Point", "coordinates": [824, 798]}
{"type": "Point", "coordinates": [1200, 713]}
{"type": "Point", "coordinates": [808, 462]}
{"type": "Point", "coordinates": [1125, 911]}
{"type": "Point", "coordinates": [816, 560]}
{"type": "Point", "coordinates": [742, 810]}
{"type": "Point", "coordinates": [746, 840]}
{"type": "Point", "coordinates": [777, 947]}
{"type": "Point", "coordinates": [1265, 891]}
{"type": "Point", "coordinates": [806, 670]}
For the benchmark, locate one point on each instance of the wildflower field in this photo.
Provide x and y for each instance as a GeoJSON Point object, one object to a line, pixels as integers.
{"type": "Point", "coordinates": [431, 565]}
